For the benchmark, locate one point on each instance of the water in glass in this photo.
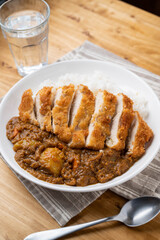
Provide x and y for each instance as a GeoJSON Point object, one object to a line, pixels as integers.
{"type": "Point", "coordinates": [29, 42]}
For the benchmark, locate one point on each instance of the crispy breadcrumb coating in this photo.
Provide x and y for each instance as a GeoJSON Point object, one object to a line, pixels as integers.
{"type": "Point", "coordinates": [123, 120]}
{"type": "Point", "coordinates": [43, 106]}
{"type": "Point", "coordinates": [100, 123]}
{"type": "Point", "coordinates": [82, 117]}
{"type": "Point", "coordinates": [26, 107]}
{"type": "Point", "coordinates": [61, 111]}
{"type": "Point", "coordinates": [143, 135]}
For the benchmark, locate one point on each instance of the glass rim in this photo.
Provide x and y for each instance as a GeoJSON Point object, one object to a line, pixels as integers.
{"type": "Point", "coordinates": [7, 29]}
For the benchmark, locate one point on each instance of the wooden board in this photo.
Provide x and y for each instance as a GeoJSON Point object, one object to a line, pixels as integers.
{"type": "Point", "coordinates": [120, 28]}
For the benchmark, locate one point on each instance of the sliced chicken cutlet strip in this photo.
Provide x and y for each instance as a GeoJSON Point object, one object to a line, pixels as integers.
{"type": "Point", "coordinates": [139, 136]}
{"type": "Point", "coordinates": [121, 123]}
{"type": "Point", "coordinates": [81, 113]}
{"type": "Point", "coordinates": [61, 112]}
{"type": "Point", "coordinates": [99, 128]}
{"type": "Point", "coordinates": [43, 105]}
{"type": "Point", "coordinates": [26, 108]}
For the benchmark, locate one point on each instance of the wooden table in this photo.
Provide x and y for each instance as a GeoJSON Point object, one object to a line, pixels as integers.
{"type": "Point", "coordinates": [122, 29]}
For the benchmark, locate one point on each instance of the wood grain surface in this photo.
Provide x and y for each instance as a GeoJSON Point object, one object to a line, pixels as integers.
{"type": "Point", "coordinates": [120, 28]}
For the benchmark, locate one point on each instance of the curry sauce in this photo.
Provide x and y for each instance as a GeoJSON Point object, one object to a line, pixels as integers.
{"type": "Point", "coordinates": [47, 158]}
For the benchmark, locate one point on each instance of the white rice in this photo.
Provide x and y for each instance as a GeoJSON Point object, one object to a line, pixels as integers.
{"type": "Point", "coordinates": [96, 81]}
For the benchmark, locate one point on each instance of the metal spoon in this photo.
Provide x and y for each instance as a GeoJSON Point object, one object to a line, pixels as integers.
{"type": "Point", "coordinates": [134, 213]}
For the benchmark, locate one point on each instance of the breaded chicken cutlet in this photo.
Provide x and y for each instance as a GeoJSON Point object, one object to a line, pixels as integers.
{"type": "Point", "coordinates": [27, 109]}
{"type": "Point", "coordinates": [99, 128]}
{"type": "Point", "coordinates": [139, 136]}
{"type": "Point", "coordinates": [43, 106]}
{"type": "Point", "coordinates": [84, 119]}
{"type": "Point", "coordinates": [81, 113]}
{"type": "Point", "coordinates": [121, 123]}
{"type": "Point", "coordinates": [61, 112]}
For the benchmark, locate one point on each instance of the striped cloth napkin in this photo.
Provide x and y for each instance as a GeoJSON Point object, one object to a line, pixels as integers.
{"type": "Point", "coordinates": [63, 206]}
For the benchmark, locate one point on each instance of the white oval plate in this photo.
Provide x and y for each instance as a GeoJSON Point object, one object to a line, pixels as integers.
{"type": "Point", "coordinates": [122, 77]}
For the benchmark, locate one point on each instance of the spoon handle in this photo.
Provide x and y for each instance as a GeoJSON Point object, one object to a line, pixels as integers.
{"type": "Point", "coordinates": [60, 232]}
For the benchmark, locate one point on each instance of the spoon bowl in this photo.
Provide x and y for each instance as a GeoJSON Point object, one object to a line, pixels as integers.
{"type": "Point", "coordinates": [134, 213]}
{"type": "Point", "coordinates": [139, 211]}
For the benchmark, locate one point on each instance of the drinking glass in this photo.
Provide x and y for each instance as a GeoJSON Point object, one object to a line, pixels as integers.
{"type": "Point", "coordinates": [24, 24]}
